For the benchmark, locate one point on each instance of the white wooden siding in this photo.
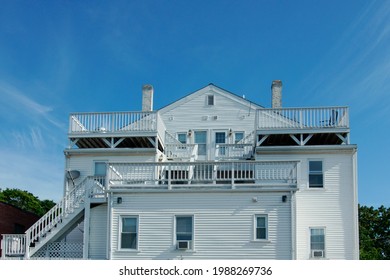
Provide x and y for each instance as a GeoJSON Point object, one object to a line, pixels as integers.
{"type": "Point", "coordinates": [223, 225]}
{"type": "Point", "coordinates": [98, 232]}
{"type": "Point", "coordinates": [333, 207]}
{"type": "Point", "coordinates": [196, 115]}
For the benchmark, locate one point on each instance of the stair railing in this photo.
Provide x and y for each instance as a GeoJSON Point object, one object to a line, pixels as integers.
{"type": "Point", "coordinates": [56, 214]}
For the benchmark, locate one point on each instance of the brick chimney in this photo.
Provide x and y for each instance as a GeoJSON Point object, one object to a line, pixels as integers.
{"type": "Point", "coordinates": [276, 89]}
{"type": "Point", "coordinates": [147, 98]}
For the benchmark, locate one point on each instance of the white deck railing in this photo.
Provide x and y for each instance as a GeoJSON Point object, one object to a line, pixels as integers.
{"type": "Point", "coordinates": [201, 174]}
{"type": "Point", "coordinates": [302, 118]}
{"type": "Point", "coordinates": [13, 245]}
{"type": "Point", "coordinates": [180, 151]}
{"type": "Point", "coordinates": [113, 122]}
{"type": "Point", "coordinates": [233, 151]}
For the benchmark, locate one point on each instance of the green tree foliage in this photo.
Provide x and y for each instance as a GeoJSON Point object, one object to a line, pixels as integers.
{"type": "Point", "coordinates": [374, 233]}
{"type": "Point", "coordinates": [26, 201]}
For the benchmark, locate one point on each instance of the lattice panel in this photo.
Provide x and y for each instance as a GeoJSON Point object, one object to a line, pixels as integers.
{"type": "Point", "coordinates": [60, 250]}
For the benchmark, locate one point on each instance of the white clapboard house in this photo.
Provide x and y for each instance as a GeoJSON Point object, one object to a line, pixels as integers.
{"type": "Point", "coordinates": [210, 176]}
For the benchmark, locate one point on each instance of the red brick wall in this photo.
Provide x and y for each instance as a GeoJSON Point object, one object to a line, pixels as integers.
{"type": "Point", "coordinates": [11, 215]}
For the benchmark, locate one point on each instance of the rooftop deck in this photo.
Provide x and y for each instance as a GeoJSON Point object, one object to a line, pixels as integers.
{"type": "Point", "coordinates": [276, 126]}
{"type": "Point", "coordinates": [302, 119]}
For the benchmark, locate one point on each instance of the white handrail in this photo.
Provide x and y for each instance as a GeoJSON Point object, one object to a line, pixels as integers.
{"type": "Point", "coordinates": [302, 118]}
{"type": "Point", "coordinates": [114, 122]}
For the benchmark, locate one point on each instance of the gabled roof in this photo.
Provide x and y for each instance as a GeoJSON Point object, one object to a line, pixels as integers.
{"type": "Point", "coordinates": [209, 89]}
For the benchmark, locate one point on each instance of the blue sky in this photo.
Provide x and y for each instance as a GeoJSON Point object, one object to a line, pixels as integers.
{"type": "Point", "coordinates": [58, 57]}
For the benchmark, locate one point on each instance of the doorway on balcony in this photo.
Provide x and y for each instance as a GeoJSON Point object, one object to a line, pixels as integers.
{"type": "Point", "coordinates": [220, 139]}
{"type": "Point", "coordinates": [100, 173]}
{"type": "Point", "coordinates": [200, 138]}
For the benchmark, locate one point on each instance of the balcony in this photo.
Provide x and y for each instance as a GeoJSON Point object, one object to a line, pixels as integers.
{"type": "Point", "coordinates": [307, 119]}
{"type": "Point", "coordinates": [115, 130]}
{"type": "Point", "coordinates": [312, 126]}
{"type": "Point", "coordinates": [202, 175]}
{"type": "Point", "coordinates": [233, 151]}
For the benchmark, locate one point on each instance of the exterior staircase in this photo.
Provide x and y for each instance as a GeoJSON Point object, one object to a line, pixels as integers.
{"type": "Point", "coordinates": [54, 223]}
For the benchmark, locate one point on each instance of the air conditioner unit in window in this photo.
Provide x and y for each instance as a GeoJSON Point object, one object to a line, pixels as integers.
{"type": "Point", "coordinates": [183, 245]}
{"type": "Point", "coordinates": [317, 253]}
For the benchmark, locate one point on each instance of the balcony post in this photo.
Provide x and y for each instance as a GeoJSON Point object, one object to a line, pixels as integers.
{"type": "Point", "coordinates": [233, 177]}
{"type": "Point", "coordinates": [169, 177]}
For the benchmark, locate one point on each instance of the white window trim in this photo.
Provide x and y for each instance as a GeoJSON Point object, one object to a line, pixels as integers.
{"type": "Point", "coordinates": [120, 234]}
{"type": "Point", "coordinates": [325, 243]}
{"type": "Point", "coordinates": [254, 239]}
{"type": "Point", "coordinates": [308, 175]}
{"type": "Point", "coordinates": [192, 249]}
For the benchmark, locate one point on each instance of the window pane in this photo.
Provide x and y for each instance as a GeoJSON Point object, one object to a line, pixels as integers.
{"type": "Point", "coordinates": [129, 225]}
{"type": "Point", "coordinates": [315, 166]}
{"type": "Point", "coordinates": [184, 228]}
{"type": "Point", "coordinates": [100, 169]}
{"type": "Point", "coordinates": [238, 136]}
{"type": "Point", "coordinates": [200, 136]}
{"type": "Point", "coordinates": [129, 241]}
{"type": "Point", "coordinates": [220, 137]}
{"type": "Point", "coordinates": [182, 137]}
{"type": "Point", "coordinates": [260, 222]}
{"type": "Point", "coordinates": [261, 233]}
{"type": "Point", "coordinates": [317, 239]}
{"type": "Point", "coordinates": [316, 180]}
{"type": "Point", "coordinates": [210, 100]}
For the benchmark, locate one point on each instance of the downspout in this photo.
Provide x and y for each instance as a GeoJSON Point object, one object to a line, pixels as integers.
{"type": "Point", "coordinates": [109, 222]}
{"type": "Point", "coordinates": [293, 225]}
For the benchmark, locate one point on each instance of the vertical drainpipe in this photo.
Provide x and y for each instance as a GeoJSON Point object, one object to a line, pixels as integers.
{"type": "Point", "coordinates": [109, 214]}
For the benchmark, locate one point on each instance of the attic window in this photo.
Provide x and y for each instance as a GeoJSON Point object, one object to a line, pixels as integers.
{"type": "Point", "coordinates": [210, 100]}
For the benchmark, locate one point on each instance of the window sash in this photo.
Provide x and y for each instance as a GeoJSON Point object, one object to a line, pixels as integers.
{"type": "Point", "coordinates": [182, 138]}
{"type": "Point", "coordinates": [238, 136]}
{"type": "Point", "coordinates": [100, 168]}
{"type": "Point", "coordinates": [184, 228]}
{"type": "Point", "coordinates": [261, 227]}
{"type": "Point", "coordinates": [316, 177]}
{"type": "Point", "coordinates": [129, 233]}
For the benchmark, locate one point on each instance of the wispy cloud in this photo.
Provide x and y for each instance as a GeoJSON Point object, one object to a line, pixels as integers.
{"type": "Point", "coordinates": [355, 70]}
{"type": "Point", "coordinates": [20, 103]}
{"type": "Point", "coordinates": [15, 97]}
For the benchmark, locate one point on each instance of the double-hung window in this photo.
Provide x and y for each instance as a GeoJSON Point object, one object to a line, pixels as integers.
{"type": "Point", "coordinates": [184, 232]}
{"type": "Point", "coordinates": [317, 242]}
{"type": "Point", "coordinates": [261, 230]}
{"type": "Point", "coordinates": [129, 233]}
{"type": "Point", "coordinates": [316, 177]}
